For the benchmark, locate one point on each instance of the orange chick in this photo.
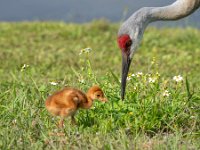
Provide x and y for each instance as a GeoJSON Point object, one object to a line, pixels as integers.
{"type": "Point", "coordinates": [67, 101]}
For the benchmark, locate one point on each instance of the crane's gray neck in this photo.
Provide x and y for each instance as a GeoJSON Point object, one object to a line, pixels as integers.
{"type": "Point", "coordinates": [136, 24]}
{"type": "Point", "coordinates": [175, 11]}
{"type": "Point", "coordinates": [141, 18]}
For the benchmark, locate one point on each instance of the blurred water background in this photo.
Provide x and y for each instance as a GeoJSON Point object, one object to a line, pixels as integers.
{"type": "Point", "coordinates": [81, 11]}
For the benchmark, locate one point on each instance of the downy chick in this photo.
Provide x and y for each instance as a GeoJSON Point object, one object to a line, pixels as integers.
{"type": "Point", "coordinates": [67, 101]}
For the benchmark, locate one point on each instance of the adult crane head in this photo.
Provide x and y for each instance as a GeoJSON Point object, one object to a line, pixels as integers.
{"type": "Point", "coordinates": [131, 31]}
{"type": "Point", "coordinates": [128, 41]}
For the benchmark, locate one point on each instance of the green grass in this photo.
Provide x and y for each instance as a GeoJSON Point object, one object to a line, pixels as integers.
{"type": "Point", "coordinates": [145, 120]}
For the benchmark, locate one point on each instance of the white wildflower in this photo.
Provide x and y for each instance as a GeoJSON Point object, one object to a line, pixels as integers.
{"type": "Point", "coordinates": [81, 52]}
{"type": "Point", "coordinates": [53, 83]}
{"type": "Point", "coordinates": [81, 80]}
{"type": "Point", "coordinates": [178, 78]}
{"type": "Point", "coordinates": [128, 78]}
{"type": "Point", "coordinates": [85, 50]}
{"type": "Point", "coordinates": [24, 67]}
{"type": "Point", "coordinates": [139, 74]}
{"type": "Point", "coordinates": [132, 75]}
{"type": "Point", "coordinates": [152, 80]}
{"type": "Point", "coordinates": [166, 93]}
{"type": "Point", "coordinates": [14, 121]}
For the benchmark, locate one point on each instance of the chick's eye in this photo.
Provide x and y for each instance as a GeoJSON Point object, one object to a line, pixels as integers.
{"type": "Point", "coordinates": [98, 95]}
{"type": "Point", "coordinates": [128, 43]}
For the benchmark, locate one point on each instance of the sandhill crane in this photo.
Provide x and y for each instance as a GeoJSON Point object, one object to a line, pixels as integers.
{"type": "Point", "coordinates": [131, 31]}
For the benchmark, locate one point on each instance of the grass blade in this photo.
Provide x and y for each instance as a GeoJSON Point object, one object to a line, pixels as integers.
{"type": "Point", "coordinates": [188, 89]}
{"type": "Point", "coordinates": [115, 77]}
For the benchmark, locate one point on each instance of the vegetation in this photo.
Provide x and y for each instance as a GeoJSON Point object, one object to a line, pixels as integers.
{"type": "Point", "coordinates": [160, 111]}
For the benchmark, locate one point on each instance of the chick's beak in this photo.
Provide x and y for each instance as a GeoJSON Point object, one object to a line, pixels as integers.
{"type": "Point", "coordinates": [104, 100]}
{"type": "Point", "coordinates": [126, 61]}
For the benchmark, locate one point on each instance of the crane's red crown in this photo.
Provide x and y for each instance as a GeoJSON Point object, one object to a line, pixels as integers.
{"type": "Point", "coordinates": [124, 41]}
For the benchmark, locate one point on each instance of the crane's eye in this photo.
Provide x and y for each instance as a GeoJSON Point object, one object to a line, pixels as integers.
{"type": "Point", "coordinates": [128, 43]}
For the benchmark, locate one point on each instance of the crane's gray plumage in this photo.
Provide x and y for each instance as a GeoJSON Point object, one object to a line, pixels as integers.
{"type": "Point", "coordinates": [135, 26]}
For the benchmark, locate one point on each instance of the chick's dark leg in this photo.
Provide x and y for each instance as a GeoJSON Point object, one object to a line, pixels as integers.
{"type": "Point", "coordinates": [73, 120]}
{"type": "Point", "coordinates": [61, 123]}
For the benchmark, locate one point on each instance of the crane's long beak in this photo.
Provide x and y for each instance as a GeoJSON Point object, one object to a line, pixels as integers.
{"type": "Point", "coordinates": [126, 61]}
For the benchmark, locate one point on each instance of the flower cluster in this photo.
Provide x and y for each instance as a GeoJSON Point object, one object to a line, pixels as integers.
{"type": "Point", "coordinates": [139, 74]}
{"type": "Point", "coordinates": [178, 78]}
{"type": "Point", "coordinates": [85, 50]}
{"type": "Point", "coordinates": [24, 67]}
{"type": "Point", "coordinates": [152, 80]}
{"type": "Point", "coordinates": [130, 76]}
{"type": "Point", "coordinates": [166, 93]}
{"type": "Point", "coordinates": [53, 83]}
{"type": "Point", "coordinates": [81, 79]}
